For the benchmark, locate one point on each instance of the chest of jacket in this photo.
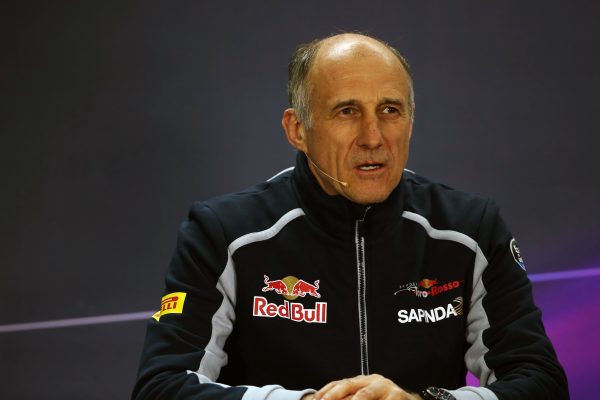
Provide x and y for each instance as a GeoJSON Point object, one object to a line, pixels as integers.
{"type": "Point", "coordinates": [331, 306]}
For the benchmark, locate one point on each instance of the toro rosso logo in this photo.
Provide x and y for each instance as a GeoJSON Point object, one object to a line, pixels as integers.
{"type": "Point", "coordinates": [290, 288]}
{"type": "Point", "coordinates": [428, 287]}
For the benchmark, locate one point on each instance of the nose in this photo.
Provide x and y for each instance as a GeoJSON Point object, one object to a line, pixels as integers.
{"type": "Point", "coordinates": [370, 136]}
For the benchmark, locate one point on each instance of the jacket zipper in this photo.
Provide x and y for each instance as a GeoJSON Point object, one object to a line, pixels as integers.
{"type": "Point", "coordinates": [362, 288]}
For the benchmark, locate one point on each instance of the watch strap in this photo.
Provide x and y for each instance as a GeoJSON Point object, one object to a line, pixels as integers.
{"type": "Point", "coordinates": [435, 393]}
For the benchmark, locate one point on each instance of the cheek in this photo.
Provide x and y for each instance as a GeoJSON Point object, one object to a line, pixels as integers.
{"type": "Point", "coordinates": [401, 142]}
{"type": "Point", "coordinates": [398, 147]}
{"type": "Point", "coordinates": [329, 144]}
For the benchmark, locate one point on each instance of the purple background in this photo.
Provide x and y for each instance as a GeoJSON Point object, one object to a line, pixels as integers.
{"type": "Point", "coordinates": [115, 116]}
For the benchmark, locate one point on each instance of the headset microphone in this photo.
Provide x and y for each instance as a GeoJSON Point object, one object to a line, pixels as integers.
{"type": "Point", "coordinates": [344, 184]}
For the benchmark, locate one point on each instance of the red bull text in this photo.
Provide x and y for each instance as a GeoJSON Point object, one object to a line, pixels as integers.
{"type": "Point", "coordinates": [293, 311]}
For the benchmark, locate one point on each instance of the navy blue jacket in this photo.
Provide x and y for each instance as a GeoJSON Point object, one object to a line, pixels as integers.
{"type": "Point", "coordinates": [280, 289]}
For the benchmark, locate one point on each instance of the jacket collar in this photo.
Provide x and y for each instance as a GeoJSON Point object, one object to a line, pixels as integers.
{"type": "Point", "coordinates": [337, 215]}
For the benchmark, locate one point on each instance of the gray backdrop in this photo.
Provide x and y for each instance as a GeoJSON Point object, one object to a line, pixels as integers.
{"type": "Point", "coordinates": [115, 116]}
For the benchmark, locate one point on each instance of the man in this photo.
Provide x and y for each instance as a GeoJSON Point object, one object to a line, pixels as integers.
{"type": "Point", "coordinates": [348, 274]}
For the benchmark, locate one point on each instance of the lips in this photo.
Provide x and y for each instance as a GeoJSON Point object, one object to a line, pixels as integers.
{"type": "Point", "coordinates": [369, 166]}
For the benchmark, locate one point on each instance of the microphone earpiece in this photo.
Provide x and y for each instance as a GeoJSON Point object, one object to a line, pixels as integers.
{"type": "Point", "coordinates": [344, 184]}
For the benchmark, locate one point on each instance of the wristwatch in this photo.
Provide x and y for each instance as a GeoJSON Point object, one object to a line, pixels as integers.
{"type": "Point", "coordinates": [435, 393]}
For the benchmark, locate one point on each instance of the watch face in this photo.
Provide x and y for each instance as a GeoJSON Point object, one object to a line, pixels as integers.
{"type": "Point", "coordinates": [438, 394]}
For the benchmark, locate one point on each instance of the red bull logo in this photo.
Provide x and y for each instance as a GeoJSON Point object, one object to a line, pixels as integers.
{"type": "Point", "coordinates": [291, 287]}
{"type": "Point", "coordinates": [278, 286]}
{"type": "Point", "coordinates": [302, 288]}
{"type": "Point", "coordinates": [292, 311]}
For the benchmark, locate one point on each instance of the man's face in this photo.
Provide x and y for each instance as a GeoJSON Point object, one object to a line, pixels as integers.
{"type": "Point", "coordinates": [361, 122]}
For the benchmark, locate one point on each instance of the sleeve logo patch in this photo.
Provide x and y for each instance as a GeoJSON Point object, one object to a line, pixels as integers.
{"type": "Point", "coordinates": [516, 253]}
{"type": "Point", "coordinates": [171, 303]}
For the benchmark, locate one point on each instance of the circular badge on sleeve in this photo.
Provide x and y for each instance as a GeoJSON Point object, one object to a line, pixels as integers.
{"type": "Point", "coordinates": [514, 249]}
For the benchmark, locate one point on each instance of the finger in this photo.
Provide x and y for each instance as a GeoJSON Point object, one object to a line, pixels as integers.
{"type": "Point", "coordinates": [375, 390]}
{"type": "Point", "coordinates": [381, 389]}
{"type": "Point", "coordinates": [325, 389]}
{"type": "Point", "coordinates": [341, 389]}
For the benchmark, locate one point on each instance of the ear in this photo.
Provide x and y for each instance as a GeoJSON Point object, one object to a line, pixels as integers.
{"type": "Point", "coordinates": [294, 130]}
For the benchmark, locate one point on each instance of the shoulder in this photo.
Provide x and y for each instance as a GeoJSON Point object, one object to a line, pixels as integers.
{"type": "Point", "coordinates": [253, 209]}
{"type": "Point", "coordinates": [443, 206]}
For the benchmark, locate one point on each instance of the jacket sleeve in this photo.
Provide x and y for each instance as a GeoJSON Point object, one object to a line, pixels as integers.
{"type": "Point", "coordinates": [509, 350]}
{"type": "Point", "coordinates": [183, 351]}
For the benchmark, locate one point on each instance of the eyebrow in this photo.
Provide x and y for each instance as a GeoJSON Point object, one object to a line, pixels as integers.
{"type": "Point", "coordinates": [397, 102]}
{"type": "Point", "coordinates": [344, 103]}
{"type": "Point", "coordinates": [353, 102]}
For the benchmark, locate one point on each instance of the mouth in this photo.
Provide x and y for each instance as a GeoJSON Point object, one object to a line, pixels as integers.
{"type": "Point", "coordinates": [369, 166]}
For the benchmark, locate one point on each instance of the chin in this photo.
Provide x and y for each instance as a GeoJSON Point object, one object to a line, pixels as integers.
{"type": "Point", "coordinates": [373, 191]}
{"type": "Point", "coordinates": [368, 198]}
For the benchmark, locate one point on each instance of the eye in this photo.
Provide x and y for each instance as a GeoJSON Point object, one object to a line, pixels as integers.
{"type": "Point", "coordinates": [390, 110]}
{"type": "Point", "coordinates": [347, 112]}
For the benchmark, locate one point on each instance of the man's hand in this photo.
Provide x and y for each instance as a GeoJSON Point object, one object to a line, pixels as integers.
{"type": "Point", "coordinates": [364, 387]}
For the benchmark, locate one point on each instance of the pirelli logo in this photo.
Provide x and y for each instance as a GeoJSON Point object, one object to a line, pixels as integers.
{"type": "Point", "coordinates": [171, 303]}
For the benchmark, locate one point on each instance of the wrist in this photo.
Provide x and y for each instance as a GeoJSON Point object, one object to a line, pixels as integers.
{"type": "Point", "coordinates": [435, 393]}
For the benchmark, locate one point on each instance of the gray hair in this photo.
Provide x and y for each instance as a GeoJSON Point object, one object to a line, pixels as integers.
{"type": "Point", "coordinates": [298, 86]}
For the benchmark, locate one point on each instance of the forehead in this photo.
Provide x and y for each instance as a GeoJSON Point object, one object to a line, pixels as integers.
{"type": "Point", "coordinates": [357, 69]}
